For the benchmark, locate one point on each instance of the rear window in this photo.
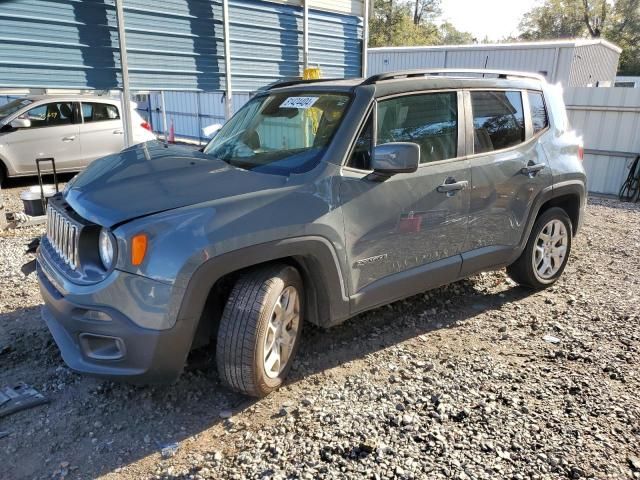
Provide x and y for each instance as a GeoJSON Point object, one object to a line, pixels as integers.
{"type": "Point", "coordinates": [539, 117]}
{"type": "Point", "coordinates": [498, 120]}
{"type": "Point", "coordinates": [99, 112]}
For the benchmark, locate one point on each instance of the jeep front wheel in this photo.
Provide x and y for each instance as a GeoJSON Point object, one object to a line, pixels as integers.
{"type": "Point", "coordinates": [260, 330]}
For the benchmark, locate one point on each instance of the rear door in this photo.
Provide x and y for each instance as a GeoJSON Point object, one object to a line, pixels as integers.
{"type": "Point", "coordinates": [101, 132]}
{"type": "Point", "coordinates": [508, 170]}
{"type": "Point", "coordinates": [405, 234]}
{"type": "Point", "coordinates": [54, 133]}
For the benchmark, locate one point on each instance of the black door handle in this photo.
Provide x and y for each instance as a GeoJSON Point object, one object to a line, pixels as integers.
{"type": "Point", "coordinates": [532, 168]}
{"type": "Point", "coordinates": [450, 185]}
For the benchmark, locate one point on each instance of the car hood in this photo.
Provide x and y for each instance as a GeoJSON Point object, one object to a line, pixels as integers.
{"type": "Point", "coordinates": [151, 178]}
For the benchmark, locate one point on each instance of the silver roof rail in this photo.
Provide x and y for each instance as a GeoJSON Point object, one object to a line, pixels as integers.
{"type": "Point", "coordinates": [435, 72]}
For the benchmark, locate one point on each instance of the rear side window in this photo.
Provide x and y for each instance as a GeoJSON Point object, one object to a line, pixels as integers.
{"type": "Point", "coordinates": [498, 120]}
{"type": "Point", "coordinates": [430, 120]}
{"type": "Point", "coordinates": [539, 116]}
{"type": "Point", "coordinates": [99, 112]}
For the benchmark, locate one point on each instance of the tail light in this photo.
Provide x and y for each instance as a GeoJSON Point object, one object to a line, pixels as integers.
{"type": "Point", "coordinates": [581, 153]}
{"type": "Point", "coordinates": [146, 126]}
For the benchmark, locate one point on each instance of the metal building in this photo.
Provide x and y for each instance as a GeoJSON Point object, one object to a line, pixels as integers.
{"type": "Point", "coordinates": [573, 63]}
{"type": "Point", "coordinates": [181, 45]}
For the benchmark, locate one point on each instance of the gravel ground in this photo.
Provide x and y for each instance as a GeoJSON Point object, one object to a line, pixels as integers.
{"type": "Point", "coordinates": [480, 379]}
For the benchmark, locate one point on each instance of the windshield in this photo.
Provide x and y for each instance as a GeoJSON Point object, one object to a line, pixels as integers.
{"type": "Point", "coordinates": [12, 107]}
{"type": "Point", "coordinates": [281, 133]}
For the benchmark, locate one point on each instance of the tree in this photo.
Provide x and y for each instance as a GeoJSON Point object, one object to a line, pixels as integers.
{"type": "Point", "coordinates": [450, 35]}
{"type": "Point", "coordinates": [396, 23]}
{"type": "Point", "coordinates": [425, 11]}
{"type": "Point", "coordinates": [614, 20]}
{"type": "Point", "coordinates": [553, 19]}
{"type": "Point", "coordinates": [391, 25]}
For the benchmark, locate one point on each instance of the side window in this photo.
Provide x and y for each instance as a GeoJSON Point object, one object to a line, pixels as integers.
{"type": "Point", "coordinates": [539, 115]}
{"type": "Point", "coordinates": [361, 155]}
{"type": "Point", "coordinates": [430, 120]}
{"type": "Point", "coordinates": [50, 115]}
{"type": "Point", "coordinates": [498, 120]}
{"type": "Point", "coordinates": [99, 112]}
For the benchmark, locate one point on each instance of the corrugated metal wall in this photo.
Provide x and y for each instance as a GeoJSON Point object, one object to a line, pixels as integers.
{"type": "Point", "coordinates": [190, 112]}
{"type": "Point", "coordinates": [174, 44]}
{"type": "Point", "coordinates": [609, 121]}
{"type": "Point", "coordinates": [527, 59]}
{"type": "Point", "coordinates": [335, 44]}
{"type": "Point", "coordinates": [592, 64]}
{"type": "Point", "coordinates": [558, 59]}
{"type": "Point", "coordinates": [74, 44]}
{"type": "Point", "coordinates": [266, 43]}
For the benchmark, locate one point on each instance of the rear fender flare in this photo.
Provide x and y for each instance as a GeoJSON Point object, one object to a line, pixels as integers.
{"type": "Point", "coordinates": [570, 187]}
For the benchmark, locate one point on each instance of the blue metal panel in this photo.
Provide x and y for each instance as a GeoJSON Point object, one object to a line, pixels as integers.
{"type": "Point", "coordinates": [174, 44]}
{"type": "Point", "coordinates": [335, 43]}
{"type": "Point", "coordinates": [177, 44]}
{"type": "Point", "coordinates": [56, 44]}
{"type": "Point", "coordinates": [266, 43]}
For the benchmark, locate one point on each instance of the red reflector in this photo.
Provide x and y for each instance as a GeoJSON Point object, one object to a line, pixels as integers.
{"type": "Point", "coordinates": [581, 153]}
{"type": "Point", "coordinates": [146, 126]}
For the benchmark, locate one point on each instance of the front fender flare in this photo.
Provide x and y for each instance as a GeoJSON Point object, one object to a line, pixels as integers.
{"type": "Point", "coordinates": [315, 254]}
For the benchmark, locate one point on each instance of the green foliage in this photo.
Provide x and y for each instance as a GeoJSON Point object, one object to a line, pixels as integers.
{"type": "Point", "coordinates": [396, 23]}
{"type": "Point", "coordinates": [552, 20]}
{"type": "Point", "coordinates": [615, 20]}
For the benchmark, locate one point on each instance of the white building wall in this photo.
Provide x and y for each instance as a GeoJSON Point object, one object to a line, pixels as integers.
{"type": "Point", "coordinates": [190, 112]}
{"type": "Point", "coordinates": [608, 119]}
{"type": "Point", "coordinates": [598, 59]}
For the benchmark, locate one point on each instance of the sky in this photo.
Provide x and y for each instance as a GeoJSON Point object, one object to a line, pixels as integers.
{"type": "Point", "coordinates": [495, 19]}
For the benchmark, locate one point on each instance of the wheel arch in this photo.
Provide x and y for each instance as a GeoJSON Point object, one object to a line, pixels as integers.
{"type": "Point", "coordinates": [326, 301]}
{"type": "Point", "coordinates": [4, 169]}
{"type": "Point", "coordinates": [570, 202]}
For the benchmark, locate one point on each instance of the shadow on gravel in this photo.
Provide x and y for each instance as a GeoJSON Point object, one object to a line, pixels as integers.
{"type": "Point", "coordinates": [93, 427]}
{"type": "Point", "coordinates": [387, 326]}
{"type": "Point", "coordinates": [25, 182]}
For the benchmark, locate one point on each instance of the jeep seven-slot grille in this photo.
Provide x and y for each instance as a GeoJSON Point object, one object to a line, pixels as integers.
{"type": "Point", "coordinates": [63, 236]}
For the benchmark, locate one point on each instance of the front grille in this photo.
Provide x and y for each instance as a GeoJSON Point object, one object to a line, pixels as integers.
{"type": "Point", "coordinates": [63, 236]}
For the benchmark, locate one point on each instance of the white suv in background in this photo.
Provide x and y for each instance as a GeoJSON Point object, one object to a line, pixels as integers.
{"type": "Point", "coordinates": [73, 130]}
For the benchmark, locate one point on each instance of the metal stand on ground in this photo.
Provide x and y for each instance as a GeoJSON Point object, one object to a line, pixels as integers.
{"type": "Point", "coordinates": [40, 182]}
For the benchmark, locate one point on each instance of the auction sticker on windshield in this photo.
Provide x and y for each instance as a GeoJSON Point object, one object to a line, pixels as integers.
{"type": "Point", "coordinates": [299, 102]}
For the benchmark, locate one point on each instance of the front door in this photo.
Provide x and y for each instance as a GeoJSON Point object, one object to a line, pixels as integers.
{"type": "Point", "coordinates": [508, 170]}
{"type": "Point", "coordinates": [405, 234]}
{"type": "Point", "coordinates": [53, 133]}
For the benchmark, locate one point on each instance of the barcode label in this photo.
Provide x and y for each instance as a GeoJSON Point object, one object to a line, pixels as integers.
{"type": "Point", "coordinates": [299, 102]}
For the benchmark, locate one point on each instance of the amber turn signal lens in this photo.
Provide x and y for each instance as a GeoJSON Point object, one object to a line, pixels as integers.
{"type": "Point", "coordinates": [138, 248]}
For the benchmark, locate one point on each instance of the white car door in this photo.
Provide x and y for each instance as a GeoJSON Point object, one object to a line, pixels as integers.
{"type": "Point", "coordinates": [53, 133]}
{"type": "Point", "coordinates": [101, 131]}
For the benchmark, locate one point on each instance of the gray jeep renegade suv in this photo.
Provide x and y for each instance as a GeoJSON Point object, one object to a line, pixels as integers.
{"type": "Point", "coordinates": [315, 202]}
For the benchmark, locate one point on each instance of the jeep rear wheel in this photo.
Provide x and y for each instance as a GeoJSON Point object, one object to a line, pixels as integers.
{"type": "Point", "coordinates": [260, 330]}
{"type": "Point", "coordinates": [545, 256]}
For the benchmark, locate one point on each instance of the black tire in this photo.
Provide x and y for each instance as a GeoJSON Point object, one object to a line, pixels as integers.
{"type": "Point", "coordinates": [522, 270]}
{"type": "Point", "coordinates": [3, 173]}
{"type": "Point", "coordinates": [244, 329]}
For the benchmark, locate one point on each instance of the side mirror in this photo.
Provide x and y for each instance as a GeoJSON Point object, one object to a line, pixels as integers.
{"type": "Point", "coordinates": [397, 157]}
{"type": "Point", "coordinates": [21, 123]}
